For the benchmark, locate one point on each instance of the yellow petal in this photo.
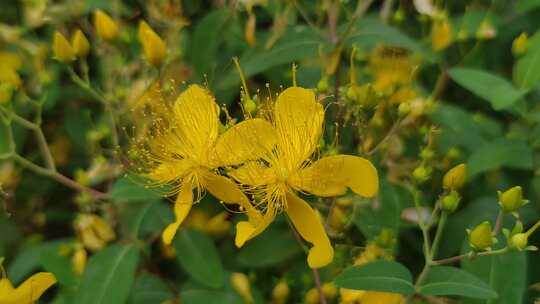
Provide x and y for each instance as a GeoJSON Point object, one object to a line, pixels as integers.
{"type": "Point", "coordinates": [80, 44]}
{"type": "Point", "coordinates": [253, 174]}
{"type": "Point", "coordinates": [154, 48]}
{"type": "Point", "coordinates": [30, 290]}
{"type": "Point", "coordinates": [330, 176]}
{"type": "Point", "coordinates": [196, 122]}
{"type": "Point", "coordinates": [376, 297]}
{"type": "Point", "coordinates": [248, 230]}
{"type": "Point", "coordinates": [105, 26]}
{"type": "Point", "coordinates": [182, 205]}
{"type": "Point", "coordinates": [309, 226]}
{"type": "Point", "coordinates": [245, 141]}
{"type": "Point", "coordinates": [5, 286]}
{"type": "Point", "coordinates": [171, 170]}
{"type": "Point", "coordinates": [62, 49]}
{"type": "Point", "coordinates": [298, 119]}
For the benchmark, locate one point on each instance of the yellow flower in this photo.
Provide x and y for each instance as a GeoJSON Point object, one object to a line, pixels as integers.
{"type": "Point", "coordinates": [390, 68]}
{"type": "Point", "coordinates": [10, 60]}
{"type": "Point", "coordinates": [80, 44]}
{"type": "Point", "coordinates": [280, 293]}
{"type": "Point", "coordinates": [28, 292]}
{"type": "Point", "coordinates": [78, 260]}
{"type": "Point", "coordinates": [481, 238]}
{"type": "Point", "coordinates": [240, 283]}
{"type": "Point", "coordinates": [455, 177]}
{"type": "Point", "coordinates": [105, 26]}
{"type": "Point", "coordinates": [441, 35]}
{"type": "Point", "coordinates": [286, 168]}
{"type": "Point", "coordinates": [154, 48]}
{"type": "Point", "coordinates": [185, 150]}
{"type": "Point", "coordinates": [93, 231]}
{"type": "Point", "coordinates": [62, 49]}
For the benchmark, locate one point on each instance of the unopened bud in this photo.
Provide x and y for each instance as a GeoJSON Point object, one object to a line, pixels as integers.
{"type": "Point", "coordinates": [329, 290]}
{"type": "Point", "coordinates": [322, 85]}
{"type": "Point", "coordinates": [450, 202]}
{"type": "Point", "coordinates": [404, 108]}
{"type": "Point", "coordinates": [155, 50]}
{"type": "Point", "coordinates": [240, 283]}
{"type": "Point", "coordinates": [512, 199]}
{"type": "Point", "coordinates": [80, 44]}
{"type": "Point", "coordinates": [79, 260]}
{"type": "Point", "coordinates": [280, 293]}
{"type": "Point", "coordinates": [441, 34]}
{"type": "Point", "coordinates": [455, 177]}
{"type": "Point", "coordinates": [480, 238]}
{"type": "Point", "coordinates": [519, 241]}
{"type": "Point", "coordinates": [520, 44]}
{"type": "Point", "coordinates": [311, 296]}
{"type": "Point", "coordinates": [105, 26]}
{"type": "Point", "coordinates": [421, 173]}
{"type": "Point", "coordinates": [62, 50]}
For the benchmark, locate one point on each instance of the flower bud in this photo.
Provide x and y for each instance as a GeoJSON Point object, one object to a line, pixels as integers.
{"type": "Point", "coordinates": [6, 92]}
{"type": "Point", "coordinates": [512, 199]}
{"type": "Point", "coordinates": [480, 238]}
{"type": "Point", "coordinates": [311, 296]}
{"type": "Point", "coordinates": [455, 177]}
{"type": "Point", "coordinates": [520, 44]}
{"type": "Point", "coordinates": [404, 109]}
{"type": "Point", "coordinates": [250, 30]}
{"type": "Point", "coordinates": [80, 44]}
{"type": "Point", "coordinates": [62, 50]}
{"type": "Point", "coordinates": [329, 290]}
{"type": "Point", "coordinates": [280, 293]}
{"type": "Point", "coordinates": [249, 105]}
{"type": "Point", "coordinates": [441, 34]}
{"type": "Point", "coordinates": [421, 173]}
{"type": "Point", "coordinates": [519, 241]}
{"type": "Point", "coordinates": [450, 202]}
{"type": "Point", "coordinates": [79, 260]}
{"type": "Point", "coordinates": [240, 283]}
{"type": "Point", "coordinates": [105, 26]}
{"type": "Point", "coordinates": [322, 85]}
{"type": "Point", "coordinates": [155, 50]}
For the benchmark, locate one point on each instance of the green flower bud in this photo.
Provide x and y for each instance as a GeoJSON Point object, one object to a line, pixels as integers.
{"type": "Point", "coordinates": [404, 108]}
{"type": "Point", "coordinates": [455, 177]}
{"type": "Point", "coordinates": [426, 153]}
{"type": "Point", "coordinates": [421, 173]}
{"type": "Point", "coordinates": [519, 241]}
{"type": "Point", "coordinates": [520, 44]}
{"type": "Point", "coordinates": [480, 238]}
{"type": "Point", "coordinates": [450, 202]}
{"type": "Point", "coordinates": [322, 86]}
{"type": "Point", "coordinates": [512, 199]}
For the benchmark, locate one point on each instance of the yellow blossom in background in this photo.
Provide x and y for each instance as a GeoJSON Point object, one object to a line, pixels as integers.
{"type": "Point", "coordinates": [280, 292]}
{"type": "Point", "coordinates": [186, 149]}
{"type": "Point", "coordinates": [441, 34]}
{"type": "Point", "coordinates": [390, 68]}
{"type": "Point", "coordinates": [28, 292]}
{"type": "Point", "coordinates": [240, 283]}
{"type": "Point", "coordinates": [79, 259]}
{"type": "Point", "coordinates": [217, 225]}
{"type": "Point", "coordinates": [80, 44]}
{"type": "Point", "coordinates": [155, 50]}
{"type": "Point", "coordinates": [105, 26]}
{"type": "Point", "coordinates": [9, 175]}
{"type": "Point", "coordinates": [62, 49]}
{"type": "Point", "coordinates": [93, 231]}
{"type": "Point", "coordinates": [296, 132]}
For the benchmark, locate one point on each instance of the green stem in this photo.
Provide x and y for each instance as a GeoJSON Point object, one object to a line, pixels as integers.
{"type": "Point", "coordinates": [438, 235]}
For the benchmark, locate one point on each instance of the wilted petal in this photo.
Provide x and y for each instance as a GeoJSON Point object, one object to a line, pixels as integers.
{"type": "Point", "coordinates": [330, 176]}
{"type": "Point", "coordinates": [309, 226]}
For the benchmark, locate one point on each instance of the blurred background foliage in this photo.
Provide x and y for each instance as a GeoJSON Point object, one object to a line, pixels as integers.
{"type": "Point", "coordinates": [415, 86]}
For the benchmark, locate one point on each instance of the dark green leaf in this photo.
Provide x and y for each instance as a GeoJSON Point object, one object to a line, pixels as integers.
{"type": "Point", "coordinates": [132, 189]}
{"type": "Point", "coordinates": [500, 153]}
{"type": "Point", "coordinates": [451, 281]}
{"type": "Point", "coordinates": [109, 275]}
{"type": "Point", "coordinates": [206, 39]}
{"type": "Point", "coordinates": [203, 296]}
{"type": "Point", "coordinates": [272, 247]}
{"type": "Point", "coordinates": [149, 288]}
{"type": "Point", "coordinates": [498, 91]}
{"type": "Point", "coordinates": [198, 256]}
{"type": "Point", "coordinates": [148, 217]}
{"type": "Point", "coordinates": [379, 276]}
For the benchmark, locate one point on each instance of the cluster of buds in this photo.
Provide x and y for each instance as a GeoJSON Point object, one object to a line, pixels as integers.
{"type": "Point", "coordinates": [65, 51]}
{"type": "Point", "coordinates": [453, 180]}
{"type": "Point", "coordinates": [93, 231]}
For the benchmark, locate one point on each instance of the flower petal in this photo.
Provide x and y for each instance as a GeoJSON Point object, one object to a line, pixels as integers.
{"type": "Point", "coordinates": [298, 119]}
{"type": "Point", "coordinates": [31, 289]}
{"type": "Point", "coordinates": [253, 174]}
{"type": "Point", "coordinates": [330, 176]}
{"type": "Point", "coordinates": [248, 140]}
{"type": "Point", "coordinates": [248, 230]}
{"type": "Point", "coordinates": [182, 205]}
{"type": "Point", "coordinates": [196, 121]}
{"type": "Point", "coordinates": [171, 170]}
{"type": "Point", "coordinates": [309, 226]}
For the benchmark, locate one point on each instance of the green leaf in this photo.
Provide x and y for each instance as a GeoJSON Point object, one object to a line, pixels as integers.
{"type": "Point", "coordinates": [272, 247]}
{"type": "Point", "coordinates": [378, 276]}
{"type": "Point", "coordinates": [451, 281]}
{"type": "Point", "coordinates": [496, 90]}
{"type": "Point", "coordinates": [149, 288]}
{"type": "Point", "coordinates": [527, 68]}
{"type": "Point", "coordinates": [132, 189]}
{"type": "Point", "coordinates": [198, 256]}
{"type": "Point", "coordinates": [206, 40]}
{"type": "Point", "coordinates": [144, 218]}
{"type": "Point", "coordinates": [109, 275]}
{"type": "Point", "coordinates": [371, 220]}
{"type": "Point", "coordinates": [203, 296]}
{"type": "Point", "coordinates": [500, 153]}
{"type": "Point", "coordinates": [59, 264]}
{"type": "Point", "coordinates": [510, 285]}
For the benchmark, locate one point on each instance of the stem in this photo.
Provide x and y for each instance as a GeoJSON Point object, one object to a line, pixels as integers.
{"type": "Point", "coordinates": [498, 222]}
{"type": "Point", "coordinates": [473, 256]}
{"type": "Point", "coordinates": [317, 279]}
{"type": "Point", "coordinates": [438, 234]}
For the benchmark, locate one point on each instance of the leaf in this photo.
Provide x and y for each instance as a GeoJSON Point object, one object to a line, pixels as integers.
{"type": "Point", "coordinates": [149, 288]}
{"type": "Point", "coordinates": [132, 189]}
{"type": "Point", "coordinates": [451, 281]}
{"type": "Point", "coordinates": [500, 153]}
{"type": "Point", "coordinates": [109, 275]}
{"type": "Point", "coordinates": [203, 296]}
{"type": "Point", "coordinates": [510, 285]}
{"type": "Point", "coordinates": [288, 50]}
{"type": "Point", "coordinates": [527, 68]}
{"type": "Point", "coordinates": [206, 40]}
{"type": "Point", "coordinates": [272, 247]}
{"type": "Point", "coordinates": [378, 276]}
{"type": "Point", "coordinates": [371, 220]}
{"type": "Point", "coordinates": [198, 256]}
{"type": "Point", "coordinates": [60, 264]}
{"type": "Point", "coordinates": [496, 90]}
{"type": "Point", "coordinates": [144, 218]}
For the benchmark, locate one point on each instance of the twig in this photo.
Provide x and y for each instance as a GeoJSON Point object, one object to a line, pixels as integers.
{"type": "Point", "coordinates": [498, 222]}
{"type": "Point", "coordinates": [317, 279]}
